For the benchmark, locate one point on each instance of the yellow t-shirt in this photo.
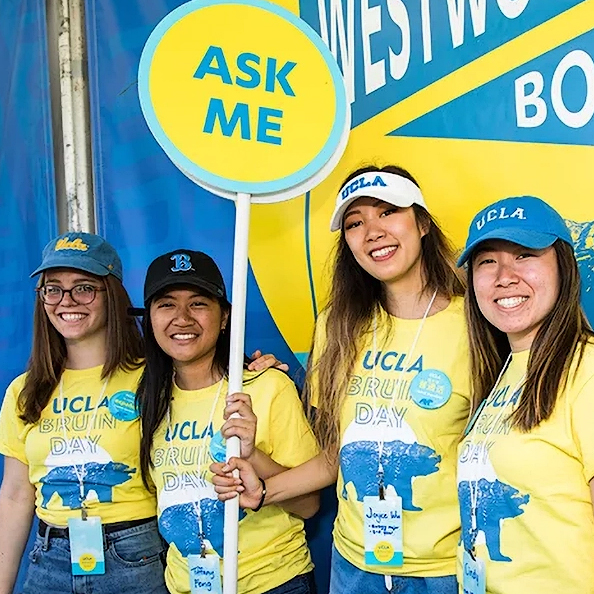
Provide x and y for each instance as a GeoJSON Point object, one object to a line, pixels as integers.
{"type": "Point", "coordinates": [272, 545]}
{"type": "Point", "coordinates": [420, 410]}
{"type": "Point", "coordinates": [534, 521]}
{"type": "Point", "coordinates": [108, 446]}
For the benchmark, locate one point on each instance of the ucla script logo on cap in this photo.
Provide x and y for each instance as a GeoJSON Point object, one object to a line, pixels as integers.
{"type": "Point", "coordinates": [81, 251]}
{"type": "Point", "coordinates": [71, 244]}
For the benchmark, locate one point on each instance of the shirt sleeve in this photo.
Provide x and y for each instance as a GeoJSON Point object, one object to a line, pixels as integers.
{"type": "Point", "coordinates": [291, 437]}
{"type": "Point", "coordinates": [582, 414]}
{"type": "Point", "coordinates": [12, 429]}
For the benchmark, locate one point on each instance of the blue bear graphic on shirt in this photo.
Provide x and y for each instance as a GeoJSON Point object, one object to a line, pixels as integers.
{"type": "Point", "coordinates": [401, 463]}
{"type": "Point", "coordinates": [179, 525]}
{"type": "Point", "coordinates": [101, 478]}
{"type": "Point", "coordinates": [495, 502]}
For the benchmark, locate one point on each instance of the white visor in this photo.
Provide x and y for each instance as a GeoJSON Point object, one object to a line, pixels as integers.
{"type": "Point", "coordinates": [389, 187]}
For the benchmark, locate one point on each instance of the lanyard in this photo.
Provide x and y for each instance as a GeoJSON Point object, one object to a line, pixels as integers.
{"type": "Point", "coordinates": [201, 461]}
{"type": "Point", "coordinates": [480, 444]}
{"type": "Point", "coordinates": [381, 441]}
{"type": "Point", "coordinates": [80, 471]}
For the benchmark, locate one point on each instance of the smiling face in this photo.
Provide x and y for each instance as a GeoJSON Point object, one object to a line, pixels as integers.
{"type": "Point", "coordinates": [515, 288]}
{"type": "Point", "coordinates": [186, 324]}
{"type": "Point", "coordinates": [385, 239]}
{"type": "Point", "coordinates": [77, 323]}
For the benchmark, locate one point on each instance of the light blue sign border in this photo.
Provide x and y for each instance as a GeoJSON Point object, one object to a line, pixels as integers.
{"type": "Point", "coordinates": [202, 174]}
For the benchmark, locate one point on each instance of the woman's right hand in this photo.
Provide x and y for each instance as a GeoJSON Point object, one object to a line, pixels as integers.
{"type": "Point", "coordinates": [262, 362]}
{"type": "Point", "coordinates": [247, 485]}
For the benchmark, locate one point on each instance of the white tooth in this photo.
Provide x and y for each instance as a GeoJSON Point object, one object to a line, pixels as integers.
{"type": "Point", "coordinates": [383, 252]}
{"type": "Point", "coordinates": [183, 336]}
{"type": "Point", "coordinates": [511, 301]}
{"type": "Point", "coordinates": [72, 317]}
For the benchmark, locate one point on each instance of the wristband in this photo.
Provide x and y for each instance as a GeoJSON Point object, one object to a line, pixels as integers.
{"type": "Point", "coordinates": [259, 506]}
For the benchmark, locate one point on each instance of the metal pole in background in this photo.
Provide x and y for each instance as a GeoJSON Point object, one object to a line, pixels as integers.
{"type": "Point", "coordinates": [71, 115]}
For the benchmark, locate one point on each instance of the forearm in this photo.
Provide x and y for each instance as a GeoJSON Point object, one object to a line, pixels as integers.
{"type": "Point", "coordinates": [308, 478]}
{"type": "Point", "coordinates": [264, 465]}
{"type": "Point", "coordinates": [304, 506]}
{"type": "Point", "coordinates": [16, 516]}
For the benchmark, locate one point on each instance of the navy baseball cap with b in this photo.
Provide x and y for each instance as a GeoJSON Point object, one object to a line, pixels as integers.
{"type": "Point", "coordinates": [184, 267]}
{"type": "Point", "coordinates": [83, 251]}
{"type": "Point", "coordinates": [525, 220]}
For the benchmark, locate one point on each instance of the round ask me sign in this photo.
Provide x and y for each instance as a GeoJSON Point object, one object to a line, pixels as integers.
{"type": "Point", "coordinates": [243, 96]}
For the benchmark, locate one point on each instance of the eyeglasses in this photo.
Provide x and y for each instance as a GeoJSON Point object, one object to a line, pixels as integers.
{"type": "Point", "coordinates": [81, 294]}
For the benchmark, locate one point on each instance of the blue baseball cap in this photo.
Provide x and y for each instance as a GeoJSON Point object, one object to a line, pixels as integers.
{"type": "Point", "coordinates": [525, 220]}
{"type": "Point", "coordinates": [83, 251]}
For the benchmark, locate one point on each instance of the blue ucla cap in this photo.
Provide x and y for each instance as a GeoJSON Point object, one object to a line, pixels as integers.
{"type": "Point", "coordinates": [525, 220]}
{"type": "Point", "coordinates": [83, 251]}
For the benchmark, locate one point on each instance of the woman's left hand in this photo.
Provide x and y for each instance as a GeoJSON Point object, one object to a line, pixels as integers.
{"type": "Point", "coordinates": [243, 426]}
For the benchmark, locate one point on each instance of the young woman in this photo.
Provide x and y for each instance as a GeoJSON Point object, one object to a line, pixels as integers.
{"type": "Point", "coordinates": [70, 435]}
{"type": "Point", "coordinates": [526, 465]}
{"type": "Point", "coordinates": [186, 418]}
{"type": "Point", "coordinates": [389, 379]}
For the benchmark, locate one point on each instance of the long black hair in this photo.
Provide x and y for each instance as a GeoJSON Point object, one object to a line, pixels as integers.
{"type": "Point", "coordinates": [156, 385]}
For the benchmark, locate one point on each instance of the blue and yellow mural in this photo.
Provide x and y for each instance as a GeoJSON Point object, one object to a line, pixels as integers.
{"type": "Point", "coordinates": [479, 99]}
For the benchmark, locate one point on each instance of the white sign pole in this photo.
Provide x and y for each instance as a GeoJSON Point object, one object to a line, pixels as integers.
{"type": "Point", "coordinates": [295, 151]}
{"type": "Point", "coordinates": [240, 270]}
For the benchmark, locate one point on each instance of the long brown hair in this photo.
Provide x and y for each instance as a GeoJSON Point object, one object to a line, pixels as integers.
{"type": "Point", "coordinates": [354, 297]}
{"type": "Point", "coordinates": [563, 331]}
{"type": "Point", "coordinates": [48, 354]}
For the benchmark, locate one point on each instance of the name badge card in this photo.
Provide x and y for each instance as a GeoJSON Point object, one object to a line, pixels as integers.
{"type": "Point", "coordinates": [473, 577]}
{"type": "Point", "coordinates": [86, 546]}
{"type": "Point", "coordinates": [205, 574]}
{"type": "Point", "coordinates": [383, 531]}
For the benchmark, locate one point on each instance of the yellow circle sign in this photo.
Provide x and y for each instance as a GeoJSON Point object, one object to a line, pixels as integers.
{"type": "Point", "coordinates": [257, 105]}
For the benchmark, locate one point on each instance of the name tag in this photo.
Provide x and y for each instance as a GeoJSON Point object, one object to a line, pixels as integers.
{"type": "Point", "coordinates": [86, 546]}
{"type": "Point", "coordinates": [205, 574]}
{"type": "Point", "coordinates": [383, 531]}
{"type": "Point", "coordinates": [473, 575]}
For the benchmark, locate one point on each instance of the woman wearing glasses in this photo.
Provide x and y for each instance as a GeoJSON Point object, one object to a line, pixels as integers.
{"type": "Point", "coordinates": [69, 432]}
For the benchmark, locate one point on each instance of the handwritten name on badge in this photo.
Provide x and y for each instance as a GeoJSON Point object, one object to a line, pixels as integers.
{"type": "Point", "coordinates": [205, 576]}
{"type": "Point", "coordinates": [473, 578]}
{"type": "Point", "coordinates": [383, 531]}
{"type": "Point", "coordinates": [383, 522]}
